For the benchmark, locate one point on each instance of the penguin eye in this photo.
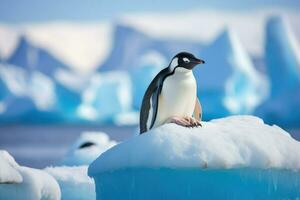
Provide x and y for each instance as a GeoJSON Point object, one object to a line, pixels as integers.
{"type": "Point", "coordinates": [186, 60]}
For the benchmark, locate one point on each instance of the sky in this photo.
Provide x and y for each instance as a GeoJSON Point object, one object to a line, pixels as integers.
{"type": "Point", "coordinates": [22, 11]}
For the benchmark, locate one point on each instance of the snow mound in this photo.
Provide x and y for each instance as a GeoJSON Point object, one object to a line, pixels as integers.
{"type": "Point", "coordinates": [232, 142]}
{"type": "Point", "coordinates": [73, 179]}
{"type": "Point", "coordinates": [31, 184]}
{"type": "Point", "coordinates": [8, 171]}
{"type": "Point", "coordinates": [87, 148]}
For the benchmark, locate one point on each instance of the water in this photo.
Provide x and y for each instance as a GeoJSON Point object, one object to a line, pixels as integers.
{"type": "Point", "coordinates": [44, 145]}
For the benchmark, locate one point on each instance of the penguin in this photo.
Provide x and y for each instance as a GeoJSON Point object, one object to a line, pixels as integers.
{"type": "Point", "coordinates": [171, 97]}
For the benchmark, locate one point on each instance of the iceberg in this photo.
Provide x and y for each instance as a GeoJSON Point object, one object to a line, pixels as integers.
{"type": "Point", "coordinates": [228, 83]}
{"type": "Point", "coordinates": [282, 55]}
{"type": "Point", "coordinates": [32, 93]}
{"type": "Point", "coordinates": [87, 148]}
{"type": "Point", "coordinates": [24, 183]}
{"type": "Point", "coordinates": [31, 58]}
{"type": "Point", "coordinates": [237, 157]}
{"type": "Point", "coordinates": [74, 182]}
{"type": "Point", "coordinates": [107, 96]}
{"type": "Point", "coordinates": [126, 37]}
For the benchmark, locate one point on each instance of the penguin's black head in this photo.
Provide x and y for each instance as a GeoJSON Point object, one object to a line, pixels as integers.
{"type": "Point", "coordinates": [185, 60]}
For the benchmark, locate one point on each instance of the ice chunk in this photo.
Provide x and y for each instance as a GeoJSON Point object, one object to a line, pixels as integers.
{"type": "Point", "coordinates": [108, 95]}
{"type": "Point", "coordinates": [233, 158]}
{"type": "Point", "coordinates": [8, 171]}
{"type": "Point", "coordinates": [228, 83]}
{"type": "Point", "coordinates": [74, 182]}
{"type": "Point", "coordinates": [87, 148]}
{"type": "Point", "coordinates": [33, 184]}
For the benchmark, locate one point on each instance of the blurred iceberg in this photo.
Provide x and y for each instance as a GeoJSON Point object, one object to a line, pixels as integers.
{"type": "Point", "coordinates": [130, 45]}
{"type": "Point", "coordinates": [236, 157]}
{"type": "Point", "coordinates": [32, 58]}
{"type": "Point", "coordinates": [282, 54]}
{"type": "Point", "coordinates": [107, 96]}
{"type": "Point", "coordinates": [228, 83]}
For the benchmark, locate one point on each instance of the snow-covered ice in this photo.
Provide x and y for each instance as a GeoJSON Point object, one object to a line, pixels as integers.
{"type": "Point", "coordinates": [74, 182]}
{"type": "Point", "coordinates": [227, 158]}
{"type": "Point", "coordinates": [231, 142]}
{"type": "Point", "coordinates": [87, 148]}
{"type": "Point", "coordinates": [24, 183]}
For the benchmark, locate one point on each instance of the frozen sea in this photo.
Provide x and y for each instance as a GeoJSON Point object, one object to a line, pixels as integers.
{"type": "Point", "coordinates": [45, 145]}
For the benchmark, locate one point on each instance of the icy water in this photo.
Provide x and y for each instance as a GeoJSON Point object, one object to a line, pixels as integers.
{"type": "Point", "coordinates": [40, 146]}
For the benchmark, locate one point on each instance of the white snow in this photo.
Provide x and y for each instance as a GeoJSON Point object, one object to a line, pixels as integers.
{"type": "Point", "coordinates": [232, 142]}
{"type": "Point", "coordinates": [74, 182]}
{"type": "Point", "coordinates": [86, 155]}
{"type": "Point", "coordinates": [28, 183]}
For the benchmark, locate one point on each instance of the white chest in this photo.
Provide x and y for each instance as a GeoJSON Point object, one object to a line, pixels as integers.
{"type": "Point", "coordinates": [177, 98]}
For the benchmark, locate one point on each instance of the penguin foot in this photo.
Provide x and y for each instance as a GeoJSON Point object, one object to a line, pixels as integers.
{"type": "Point", "coordinates": [189, 122]}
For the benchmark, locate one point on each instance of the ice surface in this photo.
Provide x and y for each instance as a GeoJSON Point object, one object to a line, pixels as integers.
{"type": "Point", "coordinates": [74, 182]}
{"type": "Point", "coordinates": [87, 148]}
{"type": "Point", "coordinates": [283, 68]}
{"type": "Point", "coordinates": [228, 83]}
{"type": "Point", "coordinates": [108, 95]}
{"type": "Point", "coordinates": [32, 184]}
{"type": "Point", "coordinates": [237, 141]}
{"type": "Point", "coordinates": [230, 158]}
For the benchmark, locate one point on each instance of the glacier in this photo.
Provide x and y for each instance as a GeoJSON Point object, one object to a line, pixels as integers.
{"type": "Point", "coordinates": [87, 148]}
{"type": "Point", "coordinates": [228, 82]}
{"type": "Point", "coordinates": [237, 157]}
{"type": "Point", "coordinates": [282, 54]}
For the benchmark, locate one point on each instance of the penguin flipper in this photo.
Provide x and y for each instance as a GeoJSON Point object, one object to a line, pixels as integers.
{"type": "Point", "coordinates": [150, 101]}
{"type": "Point", "coordinates": [198, 110]}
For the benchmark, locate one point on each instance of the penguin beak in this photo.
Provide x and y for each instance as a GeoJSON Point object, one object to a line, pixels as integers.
{"type": "Point", "coordinates": [199, 61]}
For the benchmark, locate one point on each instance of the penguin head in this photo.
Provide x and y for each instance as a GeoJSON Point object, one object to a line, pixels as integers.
{"type": "Point", "coordinates": [185, 60]}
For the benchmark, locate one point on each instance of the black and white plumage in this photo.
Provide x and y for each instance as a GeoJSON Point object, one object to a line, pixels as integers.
{"type": "Point", "coordinates": [172, 93]}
